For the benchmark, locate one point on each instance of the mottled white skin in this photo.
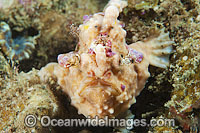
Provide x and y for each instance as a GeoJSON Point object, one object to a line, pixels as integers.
{"type": "Point", "coordinates": [120, 4]}
{"type": "Point", "coordinates": [94, 83]}
{"type": "Point", "coordinates": [110, 18]}
{"type": "Point", "coordinates": [100, 60]}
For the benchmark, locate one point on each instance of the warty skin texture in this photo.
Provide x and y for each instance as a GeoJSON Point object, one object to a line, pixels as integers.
{"type": "Point", "coordinates": [104, 75]}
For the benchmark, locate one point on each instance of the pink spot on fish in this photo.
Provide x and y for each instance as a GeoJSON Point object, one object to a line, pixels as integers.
{"type": "Point", "coordinates": [123, 87]}
{"type": "Point", "coordinates": [62, 60]}
{"type": "Point", "coordinates": [109, 52]}
{"type": "Point", "coordinates": [136, 55]}
{"type": "Point", "coordinates": [86, 18]}
{"type": "Point", "coordinates": [91, 51]}
{"type": "Point", "coordinates": [104, 34]}
{"type": "Point", "coordinates": [123, 25]}
{"type": "Point", "coordinates": [109, 43]}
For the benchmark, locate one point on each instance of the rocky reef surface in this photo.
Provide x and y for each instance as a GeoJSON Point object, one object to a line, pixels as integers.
{"type": "Point", "coordinates": [169, 93]}
{"type": "Point", "coordinates": [50, 21]}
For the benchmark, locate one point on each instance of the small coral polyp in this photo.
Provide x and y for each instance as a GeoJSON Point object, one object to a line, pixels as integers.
{"type": "Point", "coordinates": [104, 75]}
{"type": "Point", "coordinates": [18, 48]}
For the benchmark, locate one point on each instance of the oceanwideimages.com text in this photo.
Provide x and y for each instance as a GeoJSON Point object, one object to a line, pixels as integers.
{"type": "Point", "coordinates": [130, 123]}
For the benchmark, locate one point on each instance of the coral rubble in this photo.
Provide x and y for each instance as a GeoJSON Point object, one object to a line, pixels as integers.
{"type": "Point", "coordinates": [21, 95]}
{"type": "Point", "coordinates": [181, 19]}
{"type": "Point", "coordinates": [144, 4]}
{"type": "Point", "coordinates": [4, 66]}
{"type": "Point", "coordinates": [186, 83]}
{"type": "Point", "coordinates": [51, 19]}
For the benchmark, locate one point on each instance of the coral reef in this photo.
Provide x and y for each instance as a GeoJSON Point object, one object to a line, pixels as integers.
{"type": "Point", "coordinates": [170, 93]}
{"type": "Point", "coordinates": [186, 81]}
{"type": "Point", "coordinates": [4, 66]}
{"type": "Point", "coordinates": [23, 14]}
{"type": "Point", "coordinates": [49, 18]}
{"type": "Point", "coordinates": [23, 94]}
{"type": "Point", "coordinates": [181, 19]}
{"type": "Point", "coordinates": [104, 75]}
{"type": "Point", "coordinates": [144, 4]}
{"type": "Point", "coordinates": [165, 128]}
{"type": "Point", "coordinates": [18, 48]}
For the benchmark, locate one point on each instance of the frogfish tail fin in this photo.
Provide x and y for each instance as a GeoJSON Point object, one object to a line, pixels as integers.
{"type": "Point", "coordinates": [159, 50]}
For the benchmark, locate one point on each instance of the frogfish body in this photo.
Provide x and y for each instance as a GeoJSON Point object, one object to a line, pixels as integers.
{"type": "Point", "coordinates": [104, 75]}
